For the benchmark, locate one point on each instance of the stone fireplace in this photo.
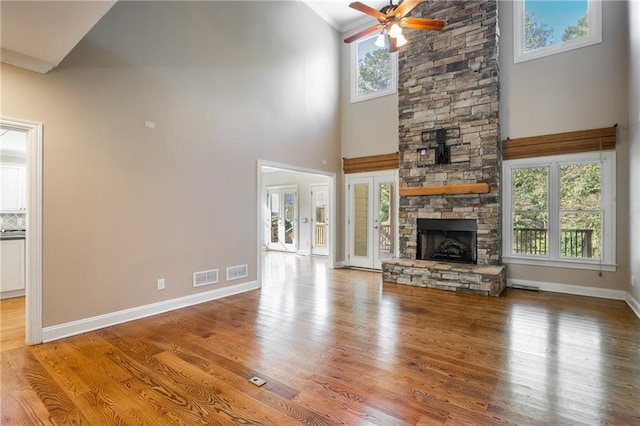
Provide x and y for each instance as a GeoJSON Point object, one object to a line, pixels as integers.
{"type": "Point", "coordinates": [449, 149]}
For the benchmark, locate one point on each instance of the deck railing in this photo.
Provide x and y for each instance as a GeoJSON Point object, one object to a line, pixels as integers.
{"type": "Point", "coordinates": [573, 242]}
{"type": "Point", "coordinates": [385, 237]}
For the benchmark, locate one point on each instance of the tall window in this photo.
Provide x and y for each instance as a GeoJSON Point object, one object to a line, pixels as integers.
{"type": "Point", "coordinates": [543, 27]}
{"type": "Point", "coordinates": [560, 210]}
{"type": "Point", "coordinates": [373, 70]}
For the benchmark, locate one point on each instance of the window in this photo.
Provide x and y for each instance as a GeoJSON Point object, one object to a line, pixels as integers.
{"type": "Point", "coordinates": [560, 211]}
{"type": "Point", "coordinates": [373, 70]}
{"type": "Point", "coordinates": [543, 27]}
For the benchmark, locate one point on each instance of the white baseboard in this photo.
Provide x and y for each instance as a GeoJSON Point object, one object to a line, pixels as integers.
{"type": "Point", "coordinates": [633, 304]}
{"type": "Point", "coordinates": [12, 293]}
{"type": "Point", "coordinates": [304, 252]}
{"type": "Point", "coordinates": [88, 324]}
{"type": "Point", "coordinates": [578, 290]}
{"type": "Point", "coordinates": [340, 264]}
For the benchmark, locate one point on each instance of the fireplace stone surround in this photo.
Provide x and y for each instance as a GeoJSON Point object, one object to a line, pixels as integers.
{"type": "Point", "coordinates": [449, 94]}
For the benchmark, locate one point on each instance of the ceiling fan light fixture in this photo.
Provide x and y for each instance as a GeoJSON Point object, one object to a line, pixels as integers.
{"type": "Point", "coordinates": [401, 40]}
{"type": "Point", "coordinates": [395, 30]}
{"type": "Point", "coordinates": [380, 41]}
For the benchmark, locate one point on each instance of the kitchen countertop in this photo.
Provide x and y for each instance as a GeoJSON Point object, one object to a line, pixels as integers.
{"type": "Point", "coordinates": [12, 235]}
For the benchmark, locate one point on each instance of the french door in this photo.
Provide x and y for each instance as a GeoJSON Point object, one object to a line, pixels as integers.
{"type": "Point", "coordinates": [283, 218]}
{"type": "Point", "coordinates": [372, 220]}
{"type": "Point", "coordinates": [320, 220]}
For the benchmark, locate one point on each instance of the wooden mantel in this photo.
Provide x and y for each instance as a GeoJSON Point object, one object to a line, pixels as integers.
{"type": "Point", "coordinates": [467, 188]}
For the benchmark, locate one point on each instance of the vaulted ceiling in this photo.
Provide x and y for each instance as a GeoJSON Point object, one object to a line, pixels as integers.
{"type": "Point", "coordinates": [37, 35]}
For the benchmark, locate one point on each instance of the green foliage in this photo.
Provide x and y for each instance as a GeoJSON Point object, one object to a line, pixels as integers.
{"type": "Point", "coordinates": [581, 29]}
{"type": "Point", "coordinates": [530, 197]}
{"type": "Point", "coordinates": [536, 35]}
{"type": "Point", "coordinates": [374, 71]}
{"type": "Point", "coordinates": [579, 208]}
{"type": "Point", "coordinates": [580, 200]}
{"type": "Point", "coordinates": [383, 216]}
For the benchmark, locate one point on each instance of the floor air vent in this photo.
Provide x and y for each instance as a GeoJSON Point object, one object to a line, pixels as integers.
{"type": "Point", "coordinates": [205, 278]}
{"type": "Point", "coordinates": [235, 272]}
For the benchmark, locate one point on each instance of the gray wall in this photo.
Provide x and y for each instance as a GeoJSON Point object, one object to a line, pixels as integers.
{"type": "Point", "coordinates": [227, 84]}
{"type": "Point", "coordinates": [369, 127]}
{"type": "Point", "coordinates": [578, 90]}
{"type": "Point", "coordinates": [634, 140]}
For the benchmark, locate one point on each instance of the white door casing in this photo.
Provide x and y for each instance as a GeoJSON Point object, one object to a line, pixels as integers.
{"type": "Point", "coordinates": [33, 252]}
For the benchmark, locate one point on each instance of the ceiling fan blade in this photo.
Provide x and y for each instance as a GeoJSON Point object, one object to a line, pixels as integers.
{"type": "Point", "coordinates": [363, 33]}
{"type": "Point", "coordinates": [405, 7]}
{"type": "Point", "coordinates": [422, 24]}
{"type": "Point", "coordinates": [368, 10]}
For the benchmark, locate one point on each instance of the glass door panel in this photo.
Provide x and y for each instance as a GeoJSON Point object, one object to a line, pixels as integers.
{"type": "Point", "coordinates": [320, 221]}
{"type": "Point", "coordinates": [274, 207]}
{"type": "Point", "coordinates": [385, 224]}
{"type": "Point", "coordinates": [361, 219]}
{"type": "Point", "coordinates": [289, 205]}
{"type": "Point", "coordinates": [283, 211]}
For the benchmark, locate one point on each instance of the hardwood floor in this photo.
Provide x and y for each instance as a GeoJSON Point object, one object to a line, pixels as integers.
{"type": "Point", "coordinates": [340, 347]}
{"type": "Point", "coordinates": [11, 323]}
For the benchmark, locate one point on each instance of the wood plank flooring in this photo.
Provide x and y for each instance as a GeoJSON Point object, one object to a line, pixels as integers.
{"type": "Point", "coordinates": [12, 323]}
{"type": "Point", "coordinates": [340, 347]}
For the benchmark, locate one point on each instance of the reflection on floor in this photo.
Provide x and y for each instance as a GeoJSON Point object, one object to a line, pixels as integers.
{"type": "Point", "coordinates": [339, 346]}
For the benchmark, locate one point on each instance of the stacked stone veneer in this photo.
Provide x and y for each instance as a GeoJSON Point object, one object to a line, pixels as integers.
{"type": "Point", "coordinates": [449, 80]}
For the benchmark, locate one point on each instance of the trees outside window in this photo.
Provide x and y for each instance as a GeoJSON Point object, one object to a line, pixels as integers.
{"type": "Point", "coordinates": [560, 209]}
{"type": "Point", "coordinates": [543, 28]}
{"type": "Point", "coordinates": [373, 70]}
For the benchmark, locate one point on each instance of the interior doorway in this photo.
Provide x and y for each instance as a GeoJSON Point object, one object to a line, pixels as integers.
{"type": "Point", "coordinates": [272, 176]}
{"type": "Point", "coordinates": [33, 225]}
{"type": "Point", "coordinates": [372, 218]}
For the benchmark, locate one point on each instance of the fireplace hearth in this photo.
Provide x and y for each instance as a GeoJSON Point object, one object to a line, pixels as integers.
{"type": "Point", "coordinates": [450, 240]}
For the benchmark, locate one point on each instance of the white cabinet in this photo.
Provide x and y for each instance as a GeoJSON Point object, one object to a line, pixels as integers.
{"type": "Point", "coordinates": [12, 188]}
{"type": "Point", "coordinates": [12, 268]}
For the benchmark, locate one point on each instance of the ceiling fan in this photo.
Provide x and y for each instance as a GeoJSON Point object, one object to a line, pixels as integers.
{"type": "Point", "coordinates": [391, 19]}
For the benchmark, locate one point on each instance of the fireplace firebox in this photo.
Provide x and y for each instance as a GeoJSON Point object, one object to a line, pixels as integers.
{"type": "Point", "coordinates": [450, 240]}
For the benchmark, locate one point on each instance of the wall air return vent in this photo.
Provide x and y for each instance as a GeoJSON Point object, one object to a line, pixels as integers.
{"type": "Point", "coordinates": [205, 278]}
{"type": "Point", "coordinates": [235, 272]}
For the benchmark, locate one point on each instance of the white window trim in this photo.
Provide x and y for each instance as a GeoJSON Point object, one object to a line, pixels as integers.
{"type": "Point", "coordinates": [594, 37]}
{"type": "Point", "coordinates": [354, 74]}
{"type": "Point", "coordinates": [608, 208]}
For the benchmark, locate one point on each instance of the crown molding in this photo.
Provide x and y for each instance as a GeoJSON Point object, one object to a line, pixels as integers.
{"type": "Point", "coordinates": [23, 61]}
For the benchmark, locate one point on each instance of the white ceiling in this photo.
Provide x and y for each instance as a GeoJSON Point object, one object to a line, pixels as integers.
{"type": "Point", "coordinates": [37, 35]}
{"type": "Point", "coordinates": [340, 16]}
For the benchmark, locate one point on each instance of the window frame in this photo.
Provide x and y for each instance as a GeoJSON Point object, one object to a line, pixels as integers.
{"type": "Point", "coordinates": [354, 74]}
{"type": "Point", "coordinates": [594, 11]}
{"type": "Point", "coordinates": [607, 260]}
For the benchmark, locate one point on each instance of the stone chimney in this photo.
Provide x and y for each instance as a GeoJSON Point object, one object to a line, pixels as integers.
{"type": "Point", "coordinates": [450, 159]}
{"type": "Point", "coordinates": [448, 81]}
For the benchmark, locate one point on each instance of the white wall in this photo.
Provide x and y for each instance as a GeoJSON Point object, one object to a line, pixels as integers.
{"type": "Point", "coordinates": [577, 90]}
{"type": "Point", "coordinates": [634, 139]}
{"type": "Point", "coordinates": [226, 85]}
